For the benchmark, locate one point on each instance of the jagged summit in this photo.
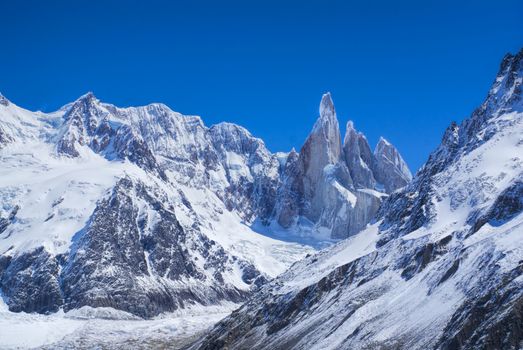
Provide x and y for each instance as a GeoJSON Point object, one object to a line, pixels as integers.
{"type": "Point", "coordinates": [507, 91]}
{"type": "Point", "coordinates": [327, 106]}
{"type": "Point", "coordinates": [88, 96]}
{"type": "Point", "coordinates": [350, 130]}
{"type": "Point", "coordinates": [389, 167]}
{"type": "Point", "coordinates": [350, 125]}
{"type": "Point", "coordinates": [334, 185]}
{"type": "Point", "coordinates": [381, 141]}
{"type": "Point", "coordinates": [323, 145]}
{"type": "Point", "coordinates": [327, 122]}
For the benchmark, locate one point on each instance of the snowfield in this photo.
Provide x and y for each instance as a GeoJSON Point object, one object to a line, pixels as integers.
{"type": "Point", "coordinates": [106, 328]}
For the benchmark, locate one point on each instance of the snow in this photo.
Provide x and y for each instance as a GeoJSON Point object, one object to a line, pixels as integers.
{"type": "Point", "coordinates": [478, 177]}
{"type": "Point", "coordinates": [271, 256]}
{"type": "Point", "coordinates": [237, 166]}
{"type": "Point", "coordinates": [282, 157]}
{"type": "Point", "coordinates": [373, 192]}
{"type": "Point", "coordinates": [329, 259]}
{"type": "Point", "coordinates": [104, 327]}
{"type": "Point", "coordinates": [348, 195]}
{"type": "Point", "coordinates": [56, 195]}
{"type": "Point", "coordinates": [408, 293]}
{"type": "Point", "coordinates": [304, 233]}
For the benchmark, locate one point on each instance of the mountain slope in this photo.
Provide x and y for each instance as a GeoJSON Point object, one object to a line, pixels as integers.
{"type": "Point", "coordinates": [440, 267]}
{"type": "Point", "coordinates": [104, 206]}
{"type": "Point", "coordinates": [146, 210]}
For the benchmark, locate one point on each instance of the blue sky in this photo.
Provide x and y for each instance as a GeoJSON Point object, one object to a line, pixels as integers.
{"type": "Point", "coordinates": [401, 69]}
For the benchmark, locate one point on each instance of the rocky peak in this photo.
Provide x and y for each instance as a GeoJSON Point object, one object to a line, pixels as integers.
{"type": "Point", "coordinates": [506, 91]}
{"type": "Point", "coordinates": [293, 154]}
{"type": "Point", "coordinates": [235, 138]}
{"type": "Point", "coordinates": [390, 169]}
{"type": "Point", "coordinates": [86, 123]}
{"type": "Point", "coordinates": [328, 185]}
{"type": "Point", "coordinates": [326, 129]}
{"type": "Point", "coordinates": [505, 96]}
{"type": "Point", "coordinates": [323, 145]}
{"type": "Point", "coordinates": [358, 157]}
{"type": "Point", "coordinates": [89, 96]}
{"type": "Point", "coordinates": [87, 110]}
{"type": "Point", "coordinates": [327, 109]}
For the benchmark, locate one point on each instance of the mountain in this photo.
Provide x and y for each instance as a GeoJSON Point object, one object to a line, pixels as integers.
{"type": "Point", "coordinates": [139, 209]}
{"type": "Point", "coordinates": [337, 188]}
{"type": "Point", "coordinates": [440, 267]}
{"type": "Point", "coordinates": [145, 210]}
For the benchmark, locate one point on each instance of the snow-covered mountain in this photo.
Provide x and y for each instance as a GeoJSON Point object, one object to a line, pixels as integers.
{"type": "Point", "coordinates": [440, 267]}
{"type": "Point", "coordinates": [337, 188]}
{"type": "Point", "coordinates": [146, 210]}
{"type": "Point", "coordinates": [140, 209]}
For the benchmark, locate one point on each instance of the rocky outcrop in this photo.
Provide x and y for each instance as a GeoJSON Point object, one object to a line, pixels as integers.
{"type": "Point", "coordinates": [252, 172]}
{"type": "Point", "coordinates": [30, 282]}
{"type": "Point", "coordinates": [321, 149]}
{"type": "Point", "coordinates": [337, 188]}
{"type": "Point", "coordinates": [289, 197]}
{"type": "Point", "coordinates": [358, 158]}
{"type": "Point", "coordinates": [132, 255]}
{"type": "Point", "coordinates": [85, 124]}
{"type": "Point", "coordinates": [389, 168]}
{"type": "Point", "coordinates": [5, 138]}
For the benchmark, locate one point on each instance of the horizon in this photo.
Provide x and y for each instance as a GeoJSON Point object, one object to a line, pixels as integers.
{"type": "Point", "coordinates": [266, 67]}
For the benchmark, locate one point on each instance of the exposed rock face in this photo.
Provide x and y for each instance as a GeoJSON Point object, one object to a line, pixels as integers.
{"type": "Point", "coordinates": [131, 256]}
{"type": "Point", "coordinates": [156, 254]}
{"type": "Point", "coordinates": [334, 187]}
{"type": "Point", "coordinates": [30, 282]}
{"type": "Point", "coordinates": [289, 193]}
{"type": "Point", "coordinates": [86, 124]}
{"type": "Point", "coordinates": [389, 168]}
{"type": "Point", "coordinates": [251, 171]}
{"type": "Point", "coordinates": [440, 269]}
{"type": "Point", "coordinates": [358, 158]}
{"type": "Point", "coordinates": [4, 138]}
{"type": "Point", "coordinates": [321, 148]}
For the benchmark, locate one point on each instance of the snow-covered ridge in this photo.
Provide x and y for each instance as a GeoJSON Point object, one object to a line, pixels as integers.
{"type": "Point", "coordinates": [441, 267]}
{"type": "Point", "coordinates": [96, 197]}
{"type": "Point", "coordinates": [146, 210]}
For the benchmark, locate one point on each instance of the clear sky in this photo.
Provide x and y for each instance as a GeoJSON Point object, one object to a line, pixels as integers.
{"type": "Point", "coordinates": [401, 69]}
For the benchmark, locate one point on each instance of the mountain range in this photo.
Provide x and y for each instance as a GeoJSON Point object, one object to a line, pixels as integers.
{"type": "Point", "coordinates": [145, 210]}
{"type": "Point", "coordinates": [148, 211]}
{"type": "Point", "coordinates": [439, 267]}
